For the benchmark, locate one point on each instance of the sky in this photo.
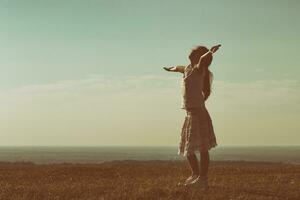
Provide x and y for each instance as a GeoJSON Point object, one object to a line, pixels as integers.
{"type": "Point", "coordinates": [90, 72]}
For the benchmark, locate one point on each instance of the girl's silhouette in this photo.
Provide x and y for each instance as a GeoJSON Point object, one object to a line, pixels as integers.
{"type": "Point", "coordinates": [197, 131]}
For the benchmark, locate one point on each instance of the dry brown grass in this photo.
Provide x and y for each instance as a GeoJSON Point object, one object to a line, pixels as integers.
{"type": "Point", "coordinates": [147, 180]}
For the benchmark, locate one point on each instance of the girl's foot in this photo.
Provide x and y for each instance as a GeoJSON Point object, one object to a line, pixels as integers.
{"type": "Point", "coordinates": [199, 182]}
{"type": "Point", "coordinates": [188, 180]}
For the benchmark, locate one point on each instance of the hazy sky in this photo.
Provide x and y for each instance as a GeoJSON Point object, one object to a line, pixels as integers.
{"type": "Point", "coordinates": [89, 72]}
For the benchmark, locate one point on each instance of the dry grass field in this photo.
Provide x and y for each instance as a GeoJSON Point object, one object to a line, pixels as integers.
{"type": "Point", "coordinates": [147, 180]}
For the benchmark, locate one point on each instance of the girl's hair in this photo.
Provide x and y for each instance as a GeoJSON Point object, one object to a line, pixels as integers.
{"type": "Point", "coordinates": [205, 63]}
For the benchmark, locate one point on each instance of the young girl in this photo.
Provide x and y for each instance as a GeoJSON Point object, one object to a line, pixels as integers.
{"type": "Point", "coordinates": [197, 131]}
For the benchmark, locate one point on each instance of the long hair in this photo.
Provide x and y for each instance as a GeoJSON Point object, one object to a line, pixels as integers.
{"type": "Point", "coordinates": [205, 63]}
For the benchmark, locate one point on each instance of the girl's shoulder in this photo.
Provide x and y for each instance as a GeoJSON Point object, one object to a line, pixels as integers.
{"type": "Point", "coordinates": [187, 67]}
{"type": "Point", "coordinates": [194, 69]}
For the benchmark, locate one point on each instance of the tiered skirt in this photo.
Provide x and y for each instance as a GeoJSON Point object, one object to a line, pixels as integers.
{"type": "Point", "coordinates": [197, 132]}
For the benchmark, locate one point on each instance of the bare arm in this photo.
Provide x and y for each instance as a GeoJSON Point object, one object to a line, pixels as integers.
{"type": "Point", "coordinates": [175, 69]}
{"type": "Point", "coordinates": [211, 51]}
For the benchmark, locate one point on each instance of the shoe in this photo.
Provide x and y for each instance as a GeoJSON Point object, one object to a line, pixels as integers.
{"type": "Point", "coordinates": [188, 180]}
{"type": "Point", "coordinates": [198, 183]}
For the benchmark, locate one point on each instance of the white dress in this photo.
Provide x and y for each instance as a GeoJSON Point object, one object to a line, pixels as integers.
{"type": "Point", "coordinates": [197, 132]}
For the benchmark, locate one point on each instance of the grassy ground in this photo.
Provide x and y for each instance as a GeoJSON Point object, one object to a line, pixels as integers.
{"type": "Point", "coordinates": [147, 180]}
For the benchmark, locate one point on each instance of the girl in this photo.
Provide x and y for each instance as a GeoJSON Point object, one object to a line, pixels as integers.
{"type": "Point", "coordinates": [197, 131]}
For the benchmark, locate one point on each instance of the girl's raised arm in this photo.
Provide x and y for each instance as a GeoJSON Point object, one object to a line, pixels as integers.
{"type": "Point", "coordinates": [198, 66]}
{"type": "Point", "coordinates": [211, 51]}
{"type": "Point", "coordinates": [175, 69]}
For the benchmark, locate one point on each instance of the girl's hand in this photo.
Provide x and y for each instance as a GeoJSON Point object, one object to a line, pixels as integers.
{"type": "Point", "coordinates": [215, 48]}
{"type": "Point", "coordinates": [175, 69]}
{"type": "Point", "coordinates": [168, 69]}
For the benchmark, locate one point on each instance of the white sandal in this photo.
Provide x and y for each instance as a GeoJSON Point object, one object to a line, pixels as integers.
{"type": "Point", "coordinates": [188, 180]}
{"type": "Point", "coordinates": [198, 183]}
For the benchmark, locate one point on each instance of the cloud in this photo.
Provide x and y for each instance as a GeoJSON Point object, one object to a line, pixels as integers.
{"type": "Point", "coordinates": [259, 94]}
{"type": "Point", "coordinates": [137, 110]}
{"type": "Point", "coordinates": [260, 112]}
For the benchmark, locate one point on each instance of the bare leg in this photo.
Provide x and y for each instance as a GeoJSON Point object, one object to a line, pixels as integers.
{"type": "Point", "coordinates": [204, 162]}
{"type": "Point", "coordinates": [193, 162]}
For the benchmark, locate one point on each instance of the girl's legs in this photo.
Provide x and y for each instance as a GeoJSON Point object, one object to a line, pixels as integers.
{"type": "Point", "coordinates": [193, 163]}
{"type": "Point", "coordinates": [204, 163]}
